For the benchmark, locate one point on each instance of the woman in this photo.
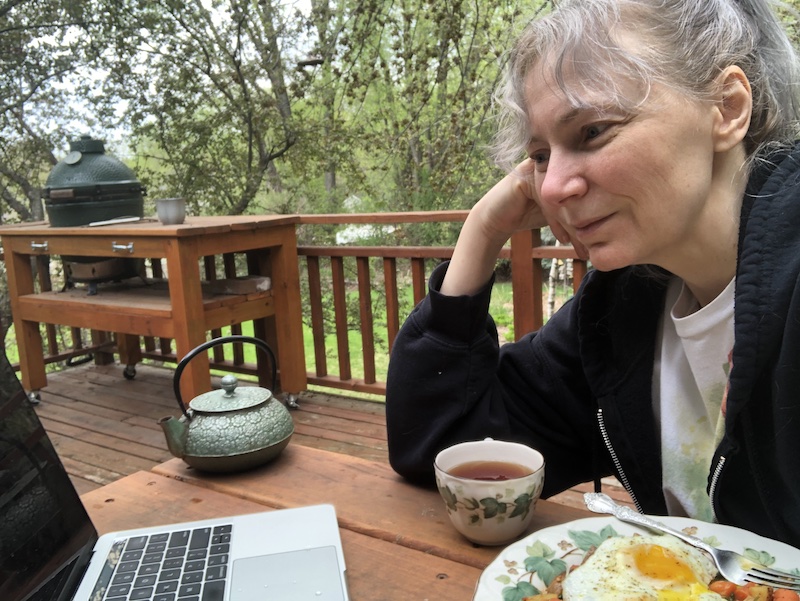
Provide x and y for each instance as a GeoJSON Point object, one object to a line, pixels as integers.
{"type": "Point", "coordinates": [660, 137]}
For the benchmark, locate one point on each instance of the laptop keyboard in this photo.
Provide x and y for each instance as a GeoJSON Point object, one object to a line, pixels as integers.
{"type": "Point", "coordinates": [187, 565]}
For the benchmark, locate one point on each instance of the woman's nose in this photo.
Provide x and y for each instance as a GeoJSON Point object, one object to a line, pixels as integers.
{"type": "Point", "coordinates": [563, 179]}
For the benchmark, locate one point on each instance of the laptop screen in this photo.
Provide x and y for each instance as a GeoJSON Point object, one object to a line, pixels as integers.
{"type": "Point", "coordinates": [45, 534]}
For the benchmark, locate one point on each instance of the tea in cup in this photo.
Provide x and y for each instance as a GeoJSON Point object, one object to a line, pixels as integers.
{"type": "Point", "coordinates": [490, 488]}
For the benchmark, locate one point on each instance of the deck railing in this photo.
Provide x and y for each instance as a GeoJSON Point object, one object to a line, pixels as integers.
{"type": "Point", "coordinates": [354, 297]}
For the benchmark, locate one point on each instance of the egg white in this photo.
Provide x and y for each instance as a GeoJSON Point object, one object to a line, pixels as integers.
{"type": "Point", "coordinates": [639, 568]}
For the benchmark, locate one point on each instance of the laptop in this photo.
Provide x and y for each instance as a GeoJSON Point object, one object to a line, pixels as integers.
{"type": "Point", "coordinates": [50, 551]}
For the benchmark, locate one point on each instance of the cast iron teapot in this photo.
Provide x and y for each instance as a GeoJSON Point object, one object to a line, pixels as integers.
{"type": "Point", "coordinates": [232, 429]}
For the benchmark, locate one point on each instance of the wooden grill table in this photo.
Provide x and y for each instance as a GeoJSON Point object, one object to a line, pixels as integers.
{"type": "Point", "coordinates": [399, 544]}
{"type": "Point", "coordinates": [178, 310]}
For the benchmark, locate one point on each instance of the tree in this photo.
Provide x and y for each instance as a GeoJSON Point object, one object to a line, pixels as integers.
{"type": "Point", "coordinates": [205, 90]}
{"type": "Point", "coordinates": [438, 79]}
{"type": "Point", "coordinates": [407, 89]}
{"type": "Point", "coordinates": [40, 45]}
{"type": "Point", "coordinates": [250, 105]}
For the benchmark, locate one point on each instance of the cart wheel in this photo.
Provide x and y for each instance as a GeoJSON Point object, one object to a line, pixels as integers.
{"type": "Point", "coordinates": [130, 372]}
{"type": "Point", "coordinates": [34, 398]}
{"type": "Point", "coordinates": [291, 401]}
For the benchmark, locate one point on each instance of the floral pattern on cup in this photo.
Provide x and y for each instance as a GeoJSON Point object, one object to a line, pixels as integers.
{"type": "Point", "coordinates": [500, 507]}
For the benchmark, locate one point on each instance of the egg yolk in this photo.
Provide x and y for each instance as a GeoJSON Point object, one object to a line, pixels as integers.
{"type": "Point", "coordinates": [696, 592]}
{"type": "Point", "coordinates": [659, 563]}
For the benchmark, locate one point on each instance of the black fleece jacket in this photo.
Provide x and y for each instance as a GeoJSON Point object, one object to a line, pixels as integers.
{"type": "Point", "coordinates": [579, 389]}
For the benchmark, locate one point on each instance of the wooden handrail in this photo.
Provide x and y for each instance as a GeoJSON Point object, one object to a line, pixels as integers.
{"type": "Point", "coordinates": [347, 280]}
{"type": "Point", "coordinates": [384, 218]}
{"type": "Point", "coordinates": [525, 253]}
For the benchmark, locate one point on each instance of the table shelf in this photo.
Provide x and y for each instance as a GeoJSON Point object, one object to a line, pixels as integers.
{"type": "Point", "coordinates": [138, 308]}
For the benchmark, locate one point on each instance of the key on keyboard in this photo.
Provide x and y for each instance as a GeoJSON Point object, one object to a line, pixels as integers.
{"type": "Point", "coordinates": [187, 565]}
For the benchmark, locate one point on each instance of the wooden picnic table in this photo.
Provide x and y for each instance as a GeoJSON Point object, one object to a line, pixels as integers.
{"type": "Point", "coordinates": [398, 541]}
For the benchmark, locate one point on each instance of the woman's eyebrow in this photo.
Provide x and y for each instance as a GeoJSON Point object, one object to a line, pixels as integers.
{"type": "Point", "coordinates": [564, 119]}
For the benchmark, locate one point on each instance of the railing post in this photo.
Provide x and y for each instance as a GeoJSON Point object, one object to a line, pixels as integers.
{"type": "Point", "coordinates": [579, 270]}
{"type": "Point", "coordinates": [340, 316]}
{"type": "Point", "coordinates": [316, 315]}
{"type": "Point", "coordinates": [392, 302]}
{"type": "Point", "coordinates": [526, 283]}
{"type": "Point", "coordinates": [365, 313]}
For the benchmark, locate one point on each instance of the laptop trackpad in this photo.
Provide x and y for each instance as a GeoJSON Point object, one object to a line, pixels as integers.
{"type": "Point", "coordinates": [309, 574]}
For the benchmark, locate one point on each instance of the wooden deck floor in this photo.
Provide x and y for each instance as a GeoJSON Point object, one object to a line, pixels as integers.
{"type": "Point", "coordinates": [105, 427]}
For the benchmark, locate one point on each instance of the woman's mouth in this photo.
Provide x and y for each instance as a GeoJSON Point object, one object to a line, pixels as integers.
{"type": "Point", "coordinates": [588, 227]}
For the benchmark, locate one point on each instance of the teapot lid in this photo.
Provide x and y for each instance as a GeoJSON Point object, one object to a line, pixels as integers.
{"type": "Point", "coordinates": [230, 398]}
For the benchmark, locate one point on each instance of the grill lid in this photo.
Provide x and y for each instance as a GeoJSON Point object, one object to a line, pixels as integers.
{"type": "Point", "coordinates": [87, 173]}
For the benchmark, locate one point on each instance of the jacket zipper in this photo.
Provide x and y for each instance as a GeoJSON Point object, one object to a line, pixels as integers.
{"type": "Point", "coordinates": [617, 465]}
{"type": "Point", "coordinates": [712, 489]}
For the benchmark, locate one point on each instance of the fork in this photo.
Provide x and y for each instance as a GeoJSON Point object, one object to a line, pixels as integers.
{"type": "Point", "coordinates": [732, 566]}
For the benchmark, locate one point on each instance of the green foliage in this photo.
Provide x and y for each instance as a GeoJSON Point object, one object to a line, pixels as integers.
{"type": "Point", "coordinates": [40, 45]}
{"type": "Point", "coordinates": [255, 106]}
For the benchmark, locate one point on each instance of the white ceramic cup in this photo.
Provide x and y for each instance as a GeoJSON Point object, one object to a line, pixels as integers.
{"type": "Point", "coordinates": [490, 512]}
{"type": "Point", "coordinates": [171, 211]}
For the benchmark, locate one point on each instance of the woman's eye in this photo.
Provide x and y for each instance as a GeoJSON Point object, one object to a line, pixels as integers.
{"type": "Point", "coordinates": [595, 130]}
{"type": "Point", "coordinates": [540, 158]}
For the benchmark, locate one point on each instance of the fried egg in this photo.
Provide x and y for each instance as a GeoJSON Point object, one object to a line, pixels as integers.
{"type": "Point", "coordinates": [639, 568]}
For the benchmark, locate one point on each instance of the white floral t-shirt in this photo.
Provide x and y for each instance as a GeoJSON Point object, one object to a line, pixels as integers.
{"type": "Point", "coordinates": [689, 381]}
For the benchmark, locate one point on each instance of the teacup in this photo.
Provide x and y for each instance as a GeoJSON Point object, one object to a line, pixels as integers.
{"type": "Point", "coordinates": [490, 511]}
{"type": "Point", "coordinates": [171, 211]}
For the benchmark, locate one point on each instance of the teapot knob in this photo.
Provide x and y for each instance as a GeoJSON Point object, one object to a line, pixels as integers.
{"type": "Point", "coordinates": [229, 384]}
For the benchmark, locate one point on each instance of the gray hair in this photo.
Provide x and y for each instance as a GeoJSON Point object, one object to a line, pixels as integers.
{"type": "Point", "coordinates": [685, 45]}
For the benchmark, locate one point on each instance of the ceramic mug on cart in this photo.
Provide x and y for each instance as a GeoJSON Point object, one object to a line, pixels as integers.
{"type": "Point", "coordinates": [490, 488]}
{"type": "Point", "coordinates": [171, 211]}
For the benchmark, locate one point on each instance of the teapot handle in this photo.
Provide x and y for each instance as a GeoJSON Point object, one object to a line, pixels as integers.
{"type": "Point", "coordinates": [176, 380]}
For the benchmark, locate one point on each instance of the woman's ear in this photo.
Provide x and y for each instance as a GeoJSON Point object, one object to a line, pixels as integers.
{"type": "Point", "coordinates": [734, 107]}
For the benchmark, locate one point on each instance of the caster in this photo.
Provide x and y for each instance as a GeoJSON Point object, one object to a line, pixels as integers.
{"type": "Point", "coordinates": [291, 401]}
{"type": "Point", "coordinates": [129, 372]}
{"type": "Point", "coordinates": [34, 398]}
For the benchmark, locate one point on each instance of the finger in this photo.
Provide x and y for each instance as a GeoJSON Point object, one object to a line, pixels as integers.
{"type": "Point", "coordinates": [524, 172]}
{"type": "Point", "coordinates": [526, 167]}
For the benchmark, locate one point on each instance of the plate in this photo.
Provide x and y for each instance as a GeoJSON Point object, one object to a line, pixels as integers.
{"type": "Point", "coordinates": [524, 565]}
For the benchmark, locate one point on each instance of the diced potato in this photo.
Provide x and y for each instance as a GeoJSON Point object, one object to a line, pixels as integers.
{"type": "Point", "coordinates": [760, 593]}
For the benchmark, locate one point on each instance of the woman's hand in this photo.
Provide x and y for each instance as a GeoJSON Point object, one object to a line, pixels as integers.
{"type": "Point", "coordinates": [510, 206]}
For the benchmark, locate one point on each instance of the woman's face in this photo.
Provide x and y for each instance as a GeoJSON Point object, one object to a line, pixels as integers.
{"type": "Point", "coordinates": [633, 186]}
